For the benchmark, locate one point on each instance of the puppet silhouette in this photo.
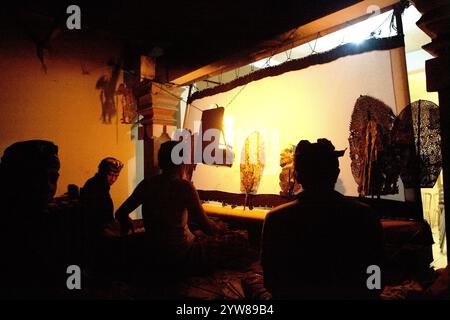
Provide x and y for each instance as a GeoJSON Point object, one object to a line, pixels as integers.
{"type": "Point", "coordinates": [128, 102]}
{"type": "Point", "coordinates": [107, 86]}
{"type": "Point", "coordinates": [49, 30]}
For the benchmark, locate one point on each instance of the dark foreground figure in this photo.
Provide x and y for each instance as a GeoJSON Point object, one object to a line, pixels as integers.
{"type": "Point", "coordinates": [320, 245]}
{"type": "Point", "coordinates": [31, 259]}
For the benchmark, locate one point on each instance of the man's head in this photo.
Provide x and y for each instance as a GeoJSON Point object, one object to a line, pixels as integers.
{"type": "Point", "coordinates": [29, 170]}
{"type": "Point", "coordinates": [317, 164]}
{"type": "Point", "coordinates": [110, 168]}
{"type": "Point", "coordinates": [166, 163]}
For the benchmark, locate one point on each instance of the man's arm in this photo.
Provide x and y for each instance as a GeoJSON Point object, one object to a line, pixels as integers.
{"type": "Point", "coordinates": [196, 211]}
{"type": "Point", "coordinates": [97, 210]}
{"type": "Point", "coordinates": [133, 201]}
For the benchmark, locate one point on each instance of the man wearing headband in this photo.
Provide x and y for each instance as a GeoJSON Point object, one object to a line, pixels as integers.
{"type": "Point", "coordinates": [95, 195]}
{"type": "Point", "coordinates": [320, 245]}
{"type": "Point", "coordinates": [99, 220]}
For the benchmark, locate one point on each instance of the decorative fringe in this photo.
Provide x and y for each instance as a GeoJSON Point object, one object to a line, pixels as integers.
{"type": "Point", "coordinates": [303, 63]}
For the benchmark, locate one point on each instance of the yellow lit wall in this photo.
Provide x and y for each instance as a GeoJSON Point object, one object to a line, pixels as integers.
{"type": "Point", "coordinates": [63, 106]}
{"type": "Point", "coordinates": [307, 104]}
{"type": "Point", "coordinates": [418, 87]}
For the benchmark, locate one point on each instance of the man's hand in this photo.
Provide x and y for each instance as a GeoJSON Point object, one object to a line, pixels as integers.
{"type": "Point", "coordinates": [112, 229]}
{"type": "Point", "coordinates": [218, 226]}
{"type": "Point", "coordinates": [126, 227]}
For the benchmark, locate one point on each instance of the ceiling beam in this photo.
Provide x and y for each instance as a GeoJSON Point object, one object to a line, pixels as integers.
{"type": "Point", "coordinates": [290, 39]}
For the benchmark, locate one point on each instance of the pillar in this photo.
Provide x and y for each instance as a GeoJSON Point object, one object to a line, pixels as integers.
{"type": "Point", "coordinates": [157, 105]}
{"type": "Point", "coordinates": [435, 22]}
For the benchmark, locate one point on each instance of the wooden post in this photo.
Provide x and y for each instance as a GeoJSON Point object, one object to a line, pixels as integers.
{"type": "Point", "coordinates": [158, 105]}
{"type": "Point", "coordinates": [435, 22]}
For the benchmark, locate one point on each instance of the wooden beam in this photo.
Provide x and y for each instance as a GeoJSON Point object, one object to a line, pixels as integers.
{"type": "Point", "coordinates": [290, 39]}
{"type": "Point", "coordinates": [435, 21]}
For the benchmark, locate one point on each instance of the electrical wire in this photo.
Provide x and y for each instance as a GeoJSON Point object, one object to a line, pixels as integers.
{"type": "Point", "coordinates": [313, 49]}
{"type": "Point", "coordinates": [235, 96]}
{"type": "Point", "coordinates": [266, 64]}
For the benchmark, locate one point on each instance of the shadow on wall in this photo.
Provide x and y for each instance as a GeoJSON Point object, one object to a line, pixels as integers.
{"type": "Point", "coordinates": [107, 86]}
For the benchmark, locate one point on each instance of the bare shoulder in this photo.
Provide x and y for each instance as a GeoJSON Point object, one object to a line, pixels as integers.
{"type": "Point", "coordinates": [183, 186]}
{"type": "Point", "coordinates": [358, 205]}
{"type": "Point", "coordinates": [184, 183]}
{"type": "Point", "coordinates": [147, 183]}
{"type": "Point", "coordinates": [361, 210]}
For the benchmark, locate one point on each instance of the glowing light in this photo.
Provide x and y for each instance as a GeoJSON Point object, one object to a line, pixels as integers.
{"type": "Point", "coordinates": [377, 26]}
{"type": "Point", "coordinates": [410, 17]}
{"type": "Point", "coordinates": [267, 62]}
{"type": "Point", "coordinates": [228, 131]}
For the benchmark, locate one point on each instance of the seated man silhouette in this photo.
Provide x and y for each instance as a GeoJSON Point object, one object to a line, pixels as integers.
{"type": "Point", "coordinates": [320, 245]}
{"type": "Point", "coordinates": [169, 203]}
{"type": "Point", "coordinates": [96, 199]}
{"type": "Point", "coordinates": [32, 258]}
{"type": "Point", "coordinates": [100, 227]}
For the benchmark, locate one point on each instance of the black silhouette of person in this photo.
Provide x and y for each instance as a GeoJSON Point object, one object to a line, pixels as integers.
{"type": "Point", "coordinates": [98, 210]}
{"type": "Point", "coordinates": [95, 196]}
{"type": "Point", "coordinates": [32, 264]}
{"type": "Point", "coordinates": [320, 245]}
{"type": "Point", "coordinates": [169, 202]}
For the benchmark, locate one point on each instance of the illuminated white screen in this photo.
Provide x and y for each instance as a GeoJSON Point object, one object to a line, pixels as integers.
{"type": "Point", "coordinates": [307, 104]}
